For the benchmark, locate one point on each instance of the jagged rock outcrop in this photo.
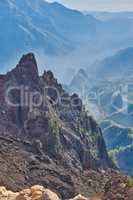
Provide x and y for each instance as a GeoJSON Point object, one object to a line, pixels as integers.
{"type": "Point", "coordinates": [48, 138]}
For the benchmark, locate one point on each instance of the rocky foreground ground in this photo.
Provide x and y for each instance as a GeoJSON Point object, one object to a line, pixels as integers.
{"type": "Point", "coordinates": [117, 188]}
{"type": "Point", "coordinates": [34, 193]}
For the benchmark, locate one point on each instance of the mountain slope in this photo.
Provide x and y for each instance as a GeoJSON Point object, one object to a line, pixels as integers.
{"type": "Point", "coordinates": [118, 65]}
{"type": "Point", "coordinates": [39, 25]}
{"type": "Point", "coordinates": [51, 142]}
{"type": "Point", "coordinates": [63, 36]}
{"type": "Point", "coordinates": [111, 104]}
{"type": "Point", "coordinates": [119, 142]}
{"type": "Point", "coordinates": [80, 81]}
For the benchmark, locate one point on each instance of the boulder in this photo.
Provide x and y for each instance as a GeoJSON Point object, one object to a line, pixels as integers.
{"type": "Point", "coordinates": [49, 195]}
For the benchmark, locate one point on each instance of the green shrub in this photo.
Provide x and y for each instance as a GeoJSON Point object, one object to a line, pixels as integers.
{"type": "Point", "coordinates": [129, 182]}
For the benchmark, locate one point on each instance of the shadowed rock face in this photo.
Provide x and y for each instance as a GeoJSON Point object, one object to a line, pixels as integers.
{"type": "Point", "coordinates": [51, 144]}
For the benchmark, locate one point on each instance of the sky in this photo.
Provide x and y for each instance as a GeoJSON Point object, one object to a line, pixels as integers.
{"type": "Point", "coordinates": [105, 5]}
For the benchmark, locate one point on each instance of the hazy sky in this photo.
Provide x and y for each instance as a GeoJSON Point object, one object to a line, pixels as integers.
{"type": "Point", "coordinates": [110, 5]}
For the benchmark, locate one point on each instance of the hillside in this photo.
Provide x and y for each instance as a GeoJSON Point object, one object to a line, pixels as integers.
{"type": "Point", "coordinates": [51, 142]}
{"type": "Point", "coordinates": [115, 66]}
{"type": "Point", "coordinates": [68, 38]}
{"type": "Point", "coordinates": [80, 81]}
{"type": "Point", "coordinates": [119, 142]}
{"type": "Point", "coordinates": [39, 25]}
{"type": "Point", "coordinates": [111, 103]}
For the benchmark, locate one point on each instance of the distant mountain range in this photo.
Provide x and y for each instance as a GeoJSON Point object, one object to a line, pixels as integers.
{"type": "Point", "coordinates": [105, 15]}
{"type": "Point", "coordinates": [116, 65]}
{"type": "Point", "coordinates": [80, 81]}
{"type": "Point", "coordinates": [68, 38]}
{"type": "Point", "coordinates": [108, 91]}
{"type": "Point", "coordinates": [39, 25]}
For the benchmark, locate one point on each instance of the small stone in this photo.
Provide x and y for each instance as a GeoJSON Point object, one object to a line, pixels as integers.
{"type": "Point", "coordinates": [36, 195]}
{"type": "Point", "coordinates": [122, 185]}
{"type": "Point", "coordinates": [37, 188]}
{"type": "Point", "coordinates": [79, 197]}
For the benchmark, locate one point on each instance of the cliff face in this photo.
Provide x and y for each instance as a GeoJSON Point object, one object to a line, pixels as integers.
{"type": "Point", "coordinates": [46, 136]}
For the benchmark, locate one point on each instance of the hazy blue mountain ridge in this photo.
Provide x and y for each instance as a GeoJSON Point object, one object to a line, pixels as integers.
{"type": "Point", "coordinates": [116, 65]}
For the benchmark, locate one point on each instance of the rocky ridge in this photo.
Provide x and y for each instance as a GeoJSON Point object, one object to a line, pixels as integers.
{"type": "Point", "coordinates": [54, 143]}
